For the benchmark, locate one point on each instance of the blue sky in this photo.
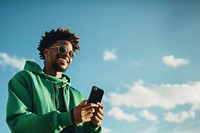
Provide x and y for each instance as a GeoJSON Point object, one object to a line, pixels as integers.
{"type": "Point", "coordinates": [145, 54]}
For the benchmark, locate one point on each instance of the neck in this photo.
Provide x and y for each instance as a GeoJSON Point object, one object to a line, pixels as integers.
{"type": "Point", "coordinates": [52, 72]}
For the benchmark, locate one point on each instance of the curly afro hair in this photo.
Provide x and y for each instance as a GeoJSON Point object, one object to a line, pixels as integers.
{"type": "Point", "coordinates": [60, 34]}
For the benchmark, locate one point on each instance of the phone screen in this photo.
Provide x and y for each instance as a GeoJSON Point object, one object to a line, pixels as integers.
{"type": "Point", "coordinates": [96, 95]}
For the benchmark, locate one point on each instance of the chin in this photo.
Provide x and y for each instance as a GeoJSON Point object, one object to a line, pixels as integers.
{"type": "Point", "coordinates": [60, 68]}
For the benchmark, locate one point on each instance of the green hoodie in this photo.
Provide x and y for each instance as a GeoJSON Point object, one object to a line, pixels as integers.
{"type": "Point", "coordinates": [33, 99]}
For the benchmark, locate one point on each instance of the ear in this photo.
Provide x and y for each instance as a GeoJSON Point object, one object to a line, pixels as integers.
{"type": "Point", "coordinates": [46, 52]}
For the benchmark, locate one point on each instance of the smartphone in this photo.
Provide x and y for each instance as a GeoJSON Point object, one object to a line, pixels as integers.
{"type": "Point", "coordinates": [96, 95]}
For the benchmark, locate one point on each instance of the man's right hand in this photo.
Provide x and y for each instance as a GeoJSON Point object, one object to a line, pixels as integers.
{"type": "Point", "coordinates": [83, 112]}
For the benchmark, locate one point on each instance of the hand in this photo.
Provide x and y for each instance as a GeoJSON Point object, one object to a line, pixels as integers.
{"type": "Point", "coordinates": [83, 112]}
{"type": "Point", "coordinates": [98, 115]}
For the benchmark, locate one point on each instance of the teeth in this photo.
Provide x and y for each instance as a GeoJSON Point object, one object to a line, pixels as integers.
{"type": "Point", "coordinates": [63, 60]}
{"type": "Point", "coordinates": [66, 61]}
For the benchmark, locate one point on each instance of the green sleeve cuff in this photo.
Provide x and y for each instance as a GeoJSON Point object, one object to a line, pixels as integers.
{"type": "Point", "coordinates": [92, 127]}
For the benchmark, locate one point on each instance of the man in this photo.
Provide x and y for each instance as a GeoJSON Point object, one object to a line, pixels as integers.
{"type": "Point", "coordinates": [43, 100]}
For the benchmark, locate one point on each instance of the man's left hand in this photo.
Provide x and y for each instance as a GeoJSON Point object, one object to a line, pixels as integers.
{"type": "Point", "coordinates": [98, 115]}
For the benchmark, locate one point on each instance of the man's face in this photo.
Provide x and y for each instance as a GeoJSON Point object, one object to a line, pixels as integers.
{"type": "Point", "coordinates": [59, 61]}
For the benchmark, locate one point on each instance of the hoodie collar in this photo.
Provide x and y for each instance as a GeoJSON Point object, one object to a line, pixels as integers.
{"type": "Point", "coordinates": [35, 68]}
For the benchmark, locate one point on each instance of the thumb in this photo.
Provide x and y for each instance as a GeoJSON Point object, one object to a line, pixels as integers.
{"type": "Point", "coordinates": [84, 102]}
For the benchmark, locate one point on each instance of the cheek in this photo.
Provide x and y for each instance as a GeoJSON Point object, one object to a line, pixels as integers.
{"type": "Point", "coordinates": [70, 61]}
{"type": "Point", "coordinates": [51, 58]}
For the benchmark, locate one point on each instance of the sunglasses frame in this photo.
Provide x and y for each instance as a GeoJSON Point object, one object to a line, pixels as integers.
{"type": "Point", "coordinates": [63, 49]}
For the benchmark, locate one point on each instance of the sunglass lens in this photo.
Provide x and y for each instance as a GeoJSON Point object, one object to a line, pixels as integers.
{"type": "Point", "coordinates": [62, 48]}
{"type": "Point", "coordinates": [72, 54]}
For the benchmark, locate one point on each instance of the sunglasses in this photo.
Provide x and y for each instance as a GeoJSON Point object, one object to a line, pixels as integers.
{"type": "Point", "coordinates": [63, 49]}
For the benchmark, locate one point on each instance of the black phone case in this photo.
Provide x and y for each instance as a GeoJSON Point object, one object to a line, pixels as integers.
{"type": "Point", "coordinates": [96, 95]}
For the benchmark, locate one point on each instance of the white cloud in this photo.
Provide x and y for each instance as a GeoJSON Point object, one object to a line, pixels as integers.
{"type": "Point", "coordinates": [166, 96]}
{"type": "Point", "coordinates": [109, 55]}
{"type": "Point", "coordinates": [14, 62]}
{"type": "Point", "coordinates": [106, 130]}
{"type": "Point", "coordinates": [178, 117]}
{"type": "Point", "coordinates": [189, 128]}
{"type": "Point", "coordinates": [119, 114]}
{"type": "Point", "coordinates": [150, 130]}
{"type": "Point", "coordinates": [148, 116]}
{"type": "Point", "coordinates": [171, 61]}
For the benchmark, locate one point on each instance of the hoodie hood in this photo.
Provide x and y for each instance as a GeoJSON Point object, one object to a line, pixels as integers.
{"type": "Point", "coordinates": [35, 68]}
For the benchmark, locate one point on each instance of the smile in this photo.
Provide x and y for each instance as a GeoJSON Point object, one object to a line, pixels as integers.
{"type": "Point", "coordinates": [63, 60]}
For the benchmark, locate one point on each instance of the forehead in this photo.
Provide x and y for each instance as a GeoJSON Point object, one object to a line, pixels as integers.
{"type": "Point", "coordinates": [62, 42]}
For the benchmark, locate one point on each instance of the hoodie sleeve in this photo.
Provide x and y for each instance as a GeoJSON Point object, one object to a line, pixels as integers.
{"type": "Point", "coordinates": [21, 120]}
{"type": "Point", "coordinates": [89, 128]}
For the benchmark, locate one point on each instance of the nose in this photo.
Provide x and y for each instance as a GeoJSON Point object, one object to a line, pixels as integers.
{"type": "Point", "coordinates": [66, 54]}
{"type": "Point", "coordinates": [69, 54]}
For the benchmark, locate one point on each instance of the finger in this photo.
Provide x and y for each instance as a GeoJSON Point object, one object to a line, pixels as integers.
{"type": "Point", "coordinates": [87, 114]}
{"type": "Point", "coordinates": [100, 105]}
{"type": "Point", "coordinates": [100, 115]}
{"type": "Point", "coordinates": [91, 105]}
{"type": "Point", "coordinates": [101, 111]}
{"type": "Point", "coordinates": [85, 119]}
{"type": "Point", "coordinates": [83, 103]}
{"type": "Point", "coordinates": [88, 110]}
{"type": "Point", "coordinates": [96, 120]}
